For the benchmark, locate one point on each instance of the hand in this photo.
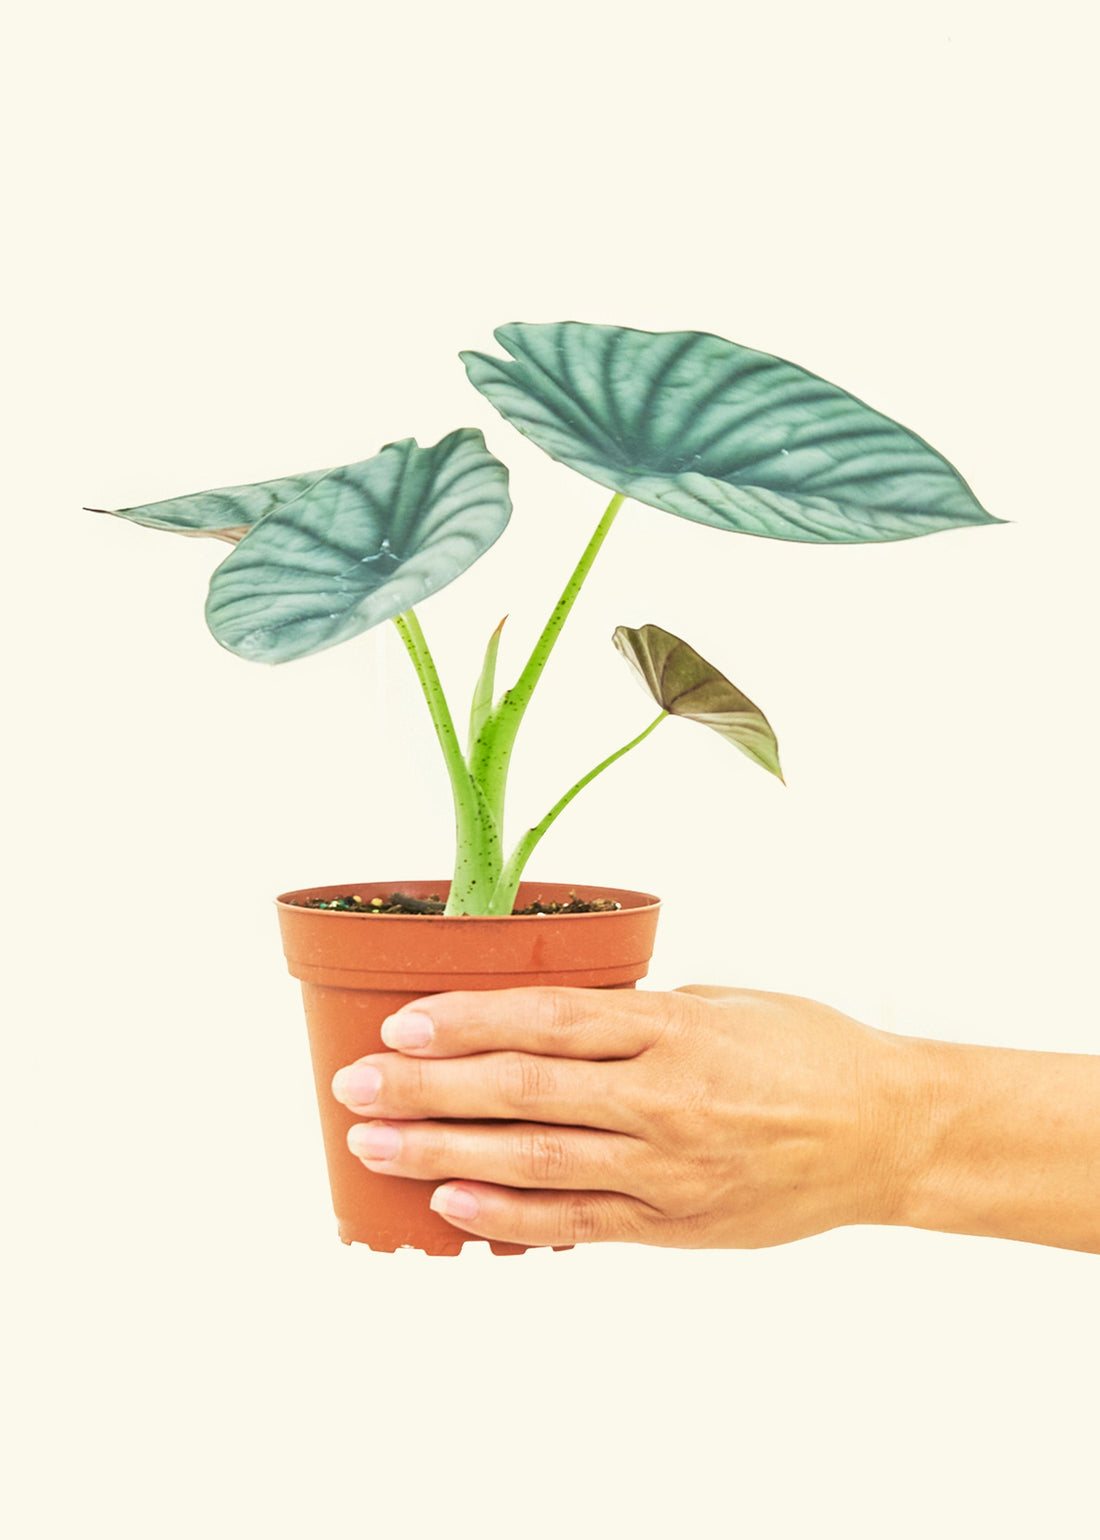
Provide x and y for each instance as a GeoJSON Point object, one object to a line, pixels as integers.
{"type": "Point", "coordinates": [701, 1117]}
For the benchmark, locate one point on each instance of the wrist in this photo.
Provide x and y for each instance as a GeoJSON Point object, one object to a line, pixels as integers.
{"type": "Point", "coordinates": [905, 1109]}
{"type": "Point", "coordinates": [930, 1157]}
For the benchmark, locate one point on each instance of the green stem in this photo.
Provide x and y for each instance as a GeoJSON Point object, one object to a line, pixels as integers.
{"type": "Point", "coordinates": [477, 837]}
{"type": "Point", "coordinates": [505, 895]}
{"type": "Point", "coordinates": [493, 751]}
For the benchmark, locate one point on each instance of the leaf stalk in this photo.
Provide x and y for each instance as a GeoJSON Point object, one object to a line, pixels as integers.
{"type": "Point", "coordinates": [505, 895]}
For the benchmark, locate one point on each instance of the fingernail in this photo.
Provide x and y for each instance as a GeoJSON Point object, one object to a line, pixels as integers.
{"type": "Point", "coordinates": [408, 1029]}
{"type": "Point", "coordinates": [358, 1085]}
{"type": "Point", "coordinates": [454, 1203]}
{"type": "Point", "coordinates": [374, 1141]}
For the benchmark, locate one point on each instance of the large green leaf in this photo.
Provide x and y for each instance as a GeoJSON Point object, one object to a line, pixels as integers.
{"type": "Point", "coordinates": [357, 546]}
{"type": "Point", "coordinates": [686, 685]}
{"type": "Point", "coordinates": [721, 434]}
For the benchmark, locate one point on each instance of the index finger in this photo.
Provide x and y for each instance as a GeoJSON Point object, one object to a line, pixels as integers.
{"type": "Point", "coordinates": [564, 1023]}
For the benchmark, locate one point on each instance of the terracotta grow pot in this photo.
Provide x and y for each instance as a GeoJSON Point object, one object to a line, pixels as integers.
{"type": "Point", "coordinates": [357, 969]}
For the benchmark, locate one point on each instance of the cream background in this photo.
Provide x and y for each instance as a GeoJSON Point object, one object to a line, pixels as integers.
{"type": "Point", "coordinates": [250, 241]}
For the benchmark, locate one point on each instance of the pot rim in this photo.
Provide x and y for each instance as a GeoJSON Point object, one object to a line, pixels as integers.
{"type": "Point", "coordinates": [648, 901]}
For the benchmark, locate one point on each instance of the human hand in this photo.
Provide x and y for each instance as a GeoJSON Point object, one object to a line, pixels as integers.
{"type": "Point", "coordinates": [700, 1117]}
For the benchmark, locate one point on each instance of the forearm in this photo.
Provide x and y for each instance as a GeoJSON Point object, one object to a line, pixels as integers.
{"type": "Point", "coordinates": [1010, 1146]}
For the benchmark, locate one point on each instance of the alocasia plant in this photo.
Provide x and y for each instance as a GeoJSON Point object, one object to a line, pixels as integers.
{"type": "Point", "coordinates": [687, 422]}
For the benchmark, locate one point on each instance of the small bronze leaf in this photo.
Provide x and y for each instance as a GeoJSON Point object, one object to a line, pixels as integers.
{"type": "Point", "coordinates": [686, 685]}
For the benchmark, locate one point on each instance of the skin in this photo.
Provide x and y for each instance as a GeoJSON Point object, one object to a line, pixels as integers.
{"type": "Point", "coordinates": [710, 1117]}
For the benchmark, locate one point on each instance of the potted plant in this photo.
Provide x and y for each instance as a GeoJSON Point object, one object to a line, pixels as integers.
{"type": "Point", "coordinates": [684, 421]}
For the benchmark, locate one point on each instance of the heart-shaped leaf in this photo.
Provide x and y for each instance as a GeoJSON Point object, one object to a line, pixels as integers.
{"type": "Point", "coordinates": [686, 685]}
{"type": "Point", "coordinates": [357, 546]}
{"type": "Point", "coordinates": [720, 434]}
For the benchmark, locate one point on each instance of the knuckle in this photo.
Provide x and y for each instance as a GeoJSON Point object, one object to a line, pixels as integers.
{"type": "Point", "coordinates": [544, 1155]}
{"type": "Point", "coordinates": [555, 1015]}
{"type": "Point", "coordinates": [682, 1177]}
{"type": "Point", "coordinates": [678, 1107]}
{"type": "Point", "coordinates": [694, 1018]}
{"type": "Point", "coordinates": [705, 991]}
{"type": "Point", "coordinates": [587, 1219]}
{"type": "Point", "coordinates": [523, 1080]}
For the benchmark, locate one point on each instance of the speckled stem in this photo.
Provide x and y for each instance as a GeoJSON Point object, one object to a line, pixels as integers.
{"type": "Point", "coordinates": [492, 753]}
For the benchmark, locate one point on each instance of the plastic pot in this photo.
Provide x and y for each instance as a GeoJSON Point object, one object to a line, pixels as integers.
{"type": "Point", "coordinates": [357, 969]}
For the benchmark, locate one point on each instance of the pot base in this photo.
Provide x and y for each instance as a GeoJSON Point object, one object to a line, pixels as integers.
{"type": "Point", "coordinates": [388, 1243]}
